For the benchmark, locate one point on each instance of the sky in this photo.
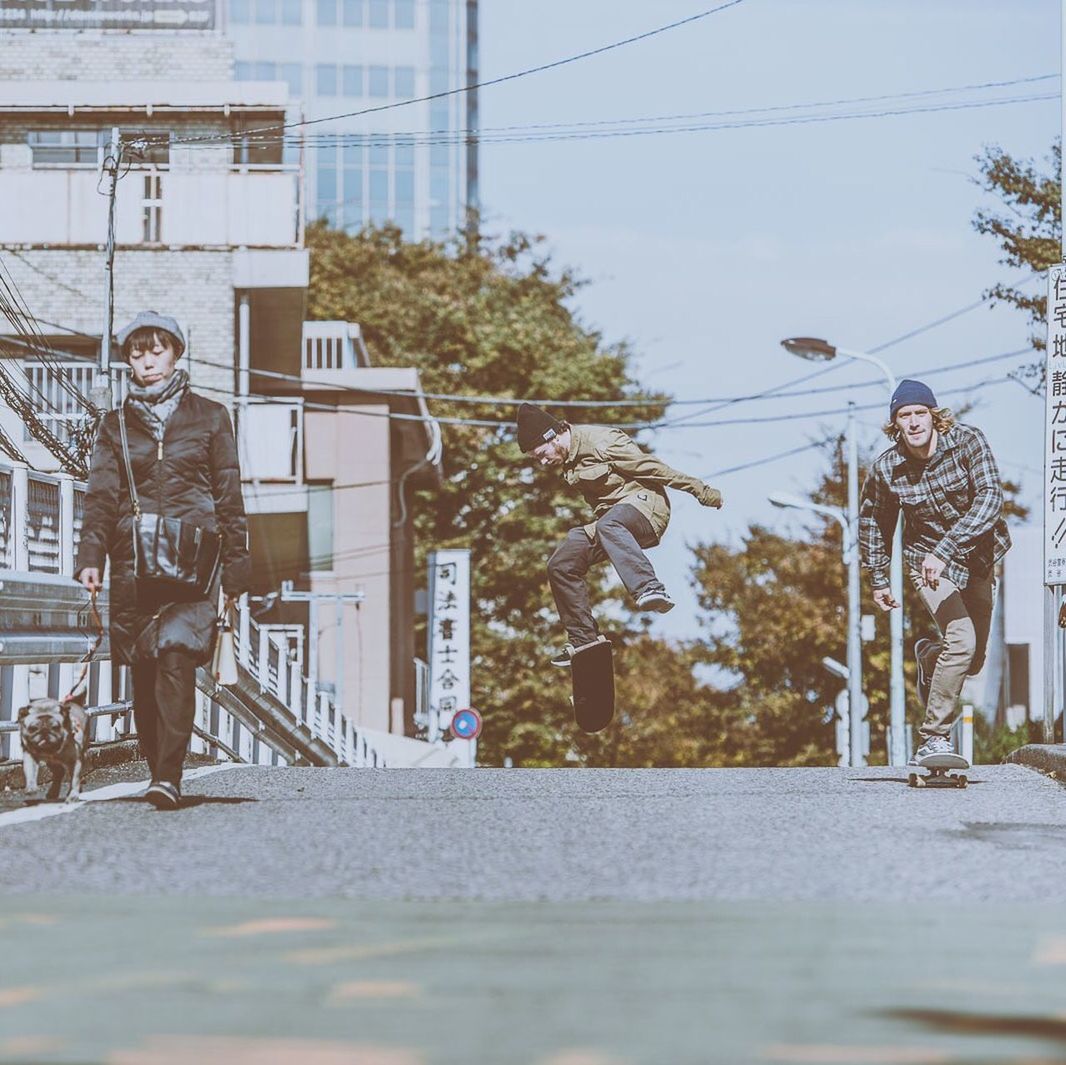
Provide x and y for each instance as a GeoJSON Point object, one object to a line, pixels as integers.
{"type": "Point", "coordinates": [704, 249]}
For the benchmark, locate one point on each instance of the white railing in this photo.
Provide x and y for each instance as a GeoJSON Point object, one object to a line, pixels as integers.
{"type": "Point", "coordinates": [333, 346]}
{"type": "Point", "coordinates": [40, 526]}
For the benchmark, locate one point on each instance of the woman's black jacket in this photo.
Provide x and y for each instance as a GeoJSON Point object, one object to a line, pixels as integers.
{"type": "Point", "coordinates": [193, 475]}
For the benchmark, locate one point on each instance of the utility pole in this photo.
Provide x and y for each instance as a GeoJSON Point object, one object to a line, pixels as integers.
{"type": "Point", "coordinates": [105, 391]}
{"type": "Point", "coordinates": [855, 698]}
{"type": "Point", "coordinates": [473, 206]}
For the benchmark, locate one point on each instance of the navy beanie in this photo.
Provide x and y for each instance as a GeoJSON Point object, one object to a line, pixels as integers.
{"type": "Point", "coordinates": [536, 427]}
{"type": "Point", "coordinates": [911, 392]}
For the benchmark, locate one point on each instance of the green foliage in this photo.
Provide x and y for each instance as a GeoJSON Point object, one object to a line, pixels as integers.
{"type": "Point", "coordinates": [496, 319]}
{"type": "Point", "coordinates": [1028, 230]}
{"type": "Point", "coordinates": [992, 744]}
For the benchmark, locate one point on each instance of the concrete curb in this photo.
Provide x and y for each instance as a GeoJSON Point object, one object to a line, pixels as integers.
{"type": "Point", "coordinates": [1049, 758]}
{"type": "Point", "coordinates": [100, 755]}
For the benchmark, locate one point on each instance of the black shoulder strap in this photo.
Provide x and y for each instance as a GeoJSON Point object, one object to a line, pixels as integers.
{"type": "Point", "coordinates": [134, 501]}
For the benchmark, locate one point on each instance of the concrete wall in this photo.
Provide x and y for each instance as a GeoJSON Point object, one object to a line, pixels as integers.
{"type": "Point", "coordinates": [93, 55]}
{"type": "Point", "coordinates": [348, 449]}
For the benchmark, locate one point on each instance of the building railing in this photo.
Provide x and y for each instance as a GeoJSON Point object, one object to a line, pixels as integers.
{"type": "Point", "coordinates": [334, 346]}
{"type": "Point", "coordinates": [275, 715]}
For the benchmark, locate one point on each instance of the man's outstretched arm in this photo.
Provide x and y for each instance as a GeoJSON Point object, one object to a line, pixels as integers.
{"type": "Point", "coordinates": [625, 456]}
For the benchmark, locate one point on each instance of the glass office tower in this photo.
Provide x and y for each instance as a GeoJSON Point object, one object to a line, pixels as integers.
{"type": "Point", "coordinates": [344, 56]}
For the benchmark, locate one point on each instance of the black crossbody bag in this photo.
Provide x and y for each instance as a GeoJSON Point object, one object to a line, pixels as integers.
{"type": "Point", "coordinates": [169, 551]}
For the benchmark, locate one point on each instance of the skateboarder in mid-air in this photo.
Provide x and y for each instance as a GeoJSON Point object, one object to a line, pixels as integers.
{"type": "Point", "coordinates": [626, 488]}
{"type": "Point", "coordinates": [944, 478]}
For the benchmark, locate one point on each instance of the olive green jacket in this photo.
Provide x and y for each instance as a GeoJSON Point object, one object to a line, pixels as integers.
{"type": "Point", "coordinates": [608, 467]}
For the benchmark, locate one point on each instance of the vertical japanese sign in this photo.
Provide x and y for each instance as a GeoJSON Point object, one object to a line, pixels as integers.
{"type": "Point", "coordinates": [1055, 431]}
{"type": "Point", "coordinates": [449, 637]}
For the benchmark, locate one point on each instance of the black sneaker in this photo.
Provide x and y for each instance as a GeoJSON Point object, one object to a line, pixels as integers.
{"type": "Point", "coordinates": [163, 795]}
{"type": "Point", "coordinates": [657, 599]}
{"type": "Point", "coordinates": [566, 656]}
{"type": "Point", "coordinates": [922, 648]}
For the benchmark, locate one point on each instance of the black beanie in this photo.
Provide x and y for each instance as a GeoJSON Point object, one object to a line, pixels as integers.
{"type": "Point", "coordinates": [536, 427]}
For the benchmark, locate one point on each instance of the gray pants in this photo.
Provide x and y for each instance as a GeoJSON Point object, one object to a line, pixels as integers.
{"type": "Point", "coordinates": [963, 616]}
{"type": "Point", "coordinates": [621, 535]}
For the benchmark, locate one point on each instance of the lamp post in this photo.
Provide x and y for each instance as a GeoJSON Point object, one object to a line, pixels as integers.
{"type": "Point", "coordinates": [817, 350]}
{"type": "Point", "coordinates": [849, 524]}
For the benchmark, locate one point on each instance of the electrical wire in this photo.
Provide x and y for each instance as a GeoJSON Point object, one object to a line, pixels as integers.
{"type": "Point", "coordinates": [477, 86]}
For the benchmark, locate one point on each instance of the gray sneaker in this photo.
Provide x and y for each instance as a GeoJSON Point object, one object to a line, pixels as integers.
{"type": "Point", "coordinates": [163, 795]}
{"type": "Point", "coordinates": [564, 657]}
{"type": "Point", "coordinates": [657, 599]}
{"type": "Point", "coordinates": [933, 745]}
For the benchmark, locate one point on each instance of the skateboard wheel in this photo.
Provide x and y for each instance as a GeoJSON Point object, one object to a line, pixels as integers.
{"type": "Point", "coordinates": [962, 781]}
{"type": "Point", "coordinates": [912, 780]}
{"type": "Point", "coordinates": [919, 781]}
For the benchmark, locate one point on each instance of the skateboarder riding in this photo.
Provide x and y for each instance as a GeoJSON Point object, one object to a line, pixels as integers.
{"type": "Point", "coordinates": [626, 487]}
{"type": "Point", "coordinates": [944, 477]}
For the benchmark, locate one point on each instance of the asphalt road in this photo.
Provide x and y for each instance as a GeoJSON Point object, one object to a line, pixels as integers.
{"type": "Point", "coordinates": [321, 917]}
{"type": "Point", "coordinates": [559, 835]}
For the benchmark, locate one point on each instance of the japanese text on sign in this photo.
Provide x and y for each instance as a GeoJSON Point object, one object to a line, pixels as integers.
{"type": "Point", "coordinates": [449, 634]}
{"type": "Point", "coordinates": [1055, 431]}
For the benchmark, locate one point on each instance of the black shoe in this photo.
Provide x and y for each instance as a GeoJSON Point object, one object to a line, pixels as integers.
{"type": "Point", "coordinates": [163, 795]}
{"type": "Point", "coordinates": [566, 656]}
{"type": "Point", "coordinates": [922, 648]}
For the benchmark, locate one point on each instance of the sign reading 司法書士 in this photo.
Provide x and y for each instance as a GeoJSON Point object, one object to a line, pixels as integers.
{"type": "Point", "coordinates": [1055, 431]}
{"type": "Point", "coordinates": [107, 14]}
{"type": "Point", "coordinates": [449, 636]}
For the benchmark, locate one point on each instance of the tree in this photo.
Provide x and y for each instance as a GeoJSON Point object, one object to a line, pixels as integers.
{"type": "Point", "coordinates": [496, 319]}
{"type": "Point", "coordinates": [1029, 232]}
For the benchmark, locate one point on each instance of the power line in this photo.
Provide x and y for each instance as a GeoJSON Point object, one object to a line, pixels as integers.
{"type": "Point", "coordinates": [699, 16]}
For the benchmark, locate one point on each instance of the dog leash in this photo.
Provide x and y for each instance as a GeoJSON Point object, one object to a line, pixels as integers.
{"type": "Point", "coordinates": [88, 659]}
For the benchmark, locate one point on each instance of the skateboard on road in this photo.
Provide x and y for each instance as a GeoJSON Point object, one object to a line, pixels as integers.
{"type": "Point", "coordinates": [938, 772]}
{"type": "Point", "coordinates": [593, 676]}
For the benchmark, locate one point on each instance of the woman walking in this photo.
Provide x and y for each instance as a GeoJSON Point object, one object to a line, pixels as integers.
{"type": "Point", "coordinates": [164, 504]}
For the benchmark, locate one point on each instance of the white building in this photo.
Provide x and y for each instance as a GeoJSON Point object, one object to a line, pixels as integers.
{"type": "Point", "coordinates": [345, 56]}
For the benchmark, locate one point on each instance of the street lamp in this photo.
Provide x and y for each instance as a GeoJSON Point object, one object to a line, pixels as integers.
{"type": "Point", "coordinates": [814, 349]}
{"type": "Point", "coordinates": [849, 523]}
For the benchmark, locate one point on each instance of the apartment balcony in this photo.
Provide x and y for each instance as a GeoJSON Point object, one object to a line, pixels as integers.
{"type": "Point", "coordinates": [246, 206]}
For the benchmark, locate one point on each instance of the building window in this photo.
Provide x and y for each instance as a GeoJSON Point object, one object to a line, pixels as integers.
{"type": "Point", "coordinates": [404, 160]}
{"type": "Point", "coordinates": [293, 75]}
{"type": "Point", "coordinates": [244, 71]}
{"type": "Point", "coordinates": [240, 11]}
{"type": "Point", "coordinates": [70, 147]}
{"type": "Point", "coordinates": [378, 82]}
{"type": "Point", "coordinates": [327, 12]}
{"type": "Point", "coordinates": [404, 14]}
{"type": "Point", "coordinates": [153, 208]}
{"type": "Point", "coordinates": [404, 82]}
{"type": "Point", "coordinates": [353, 81]}
{"type": "Point", "coordinates": [378, 156]}
{"type": "Point", "coordinates": [326, 79]}
{"type": "Point", "coordinates": [379, 14]}
{"type": "Point", "coordinates": [353, 12]}
{"type": "Point", "coordinates": [353, 186]}
{"type": "Point", "coordinates": [326, 198]}
{"type": "Point", "coordinates": [291, 12]}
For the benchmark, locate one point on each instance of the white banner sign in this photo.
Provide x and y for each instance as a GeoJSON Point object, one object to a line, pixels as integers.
{"type": "Point", "coordinates": [1055, 431]}
{"type": "Point", "coordinates": [449, 634]}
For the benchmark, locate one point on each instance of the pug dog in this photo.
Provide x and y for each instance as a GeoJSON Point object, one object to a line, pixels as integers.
{"type": "Point", "coordinates": [55, 734]}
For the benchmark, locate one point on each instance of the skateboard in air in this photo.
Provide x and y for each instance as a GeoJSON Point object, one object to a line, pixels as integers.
{"type": "Point", "coordinates": [592, 672]}
{"type": "Point", "coordinates": [935, 770]}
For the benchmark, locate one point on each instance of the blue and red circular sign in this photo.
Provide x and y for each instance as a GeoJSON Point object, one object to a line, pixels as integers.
{"type": "Point", "coordinates": [466, 724]}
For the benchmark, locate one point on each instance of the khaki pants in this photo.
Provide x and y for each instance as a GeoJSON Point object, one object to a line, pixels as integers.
{"type": "Point", "coordinates": [963, 616]}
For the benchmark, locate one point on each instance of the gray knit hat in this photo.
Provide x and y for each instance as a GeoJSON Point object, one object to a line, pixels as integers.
{"type": "Point", "coordinates": [151, 320]}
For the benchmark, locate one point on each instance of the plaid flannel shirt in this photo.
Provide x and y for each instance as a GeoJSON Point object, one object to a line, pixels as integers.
{"type": "Point", "coordinates": [952, 508]}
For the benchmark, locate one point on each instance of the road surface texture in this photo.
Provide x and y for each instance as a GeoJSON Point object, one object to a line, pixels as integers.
{"type": "Point", "coordinates": [537, 917]}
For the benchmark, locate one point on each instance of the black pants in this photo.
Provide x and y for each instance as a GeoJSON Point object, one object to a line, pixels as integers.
{"type": "Point", "coordinates": [164, 708]}
{"type": "Point", "coordinates": [621, 535]}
